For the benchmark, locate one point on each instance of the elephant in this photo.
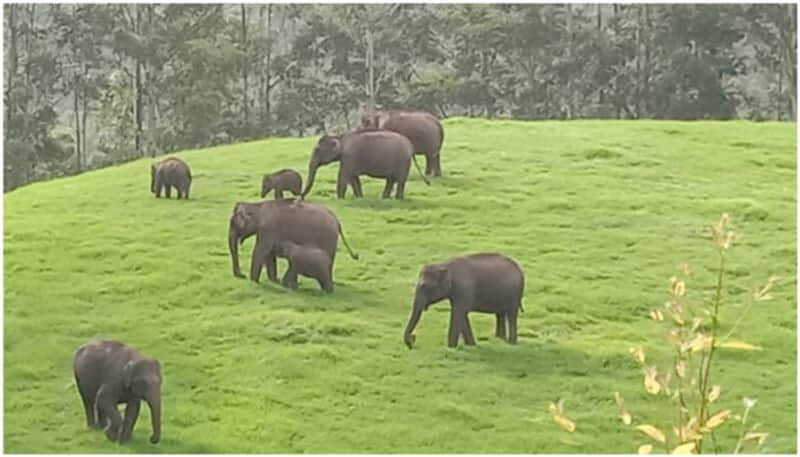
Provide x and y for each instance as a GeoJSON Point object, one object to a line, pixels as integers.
{"type": "Point", "coordinates": [276, 221]}
{"type": "Point", "coordinates": [307, 261]}
{"type": "Point", "coordinates": [372, 152]}
{"type": "Point", "coordinates": [483, 282]}
{"type": "Point", "coordinates": [108, 373]}
{"type": "Point", "coordinates": [281, 180]}
{"type": "Point", "coordinates": [170, 172]}
{"type": "Point", "coordinates": [422, 128]}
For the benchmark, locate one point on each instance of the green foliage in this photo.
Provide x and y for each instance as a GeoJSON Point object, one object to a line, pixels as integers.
{"type": "Point", "coordinates": [598, 213]}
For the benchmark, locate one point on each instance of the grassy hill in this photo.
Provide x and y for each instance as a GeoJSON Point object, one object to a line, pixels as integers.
{"type": "Point", "coordinates": [598, 214]}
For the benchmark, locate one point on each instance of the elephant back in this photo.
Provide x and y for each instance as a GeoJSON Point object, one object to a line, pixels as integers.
{"type": "Point", "coordinates": [423, 129]}
{"type": "Point", "coordinates": [307, 224]}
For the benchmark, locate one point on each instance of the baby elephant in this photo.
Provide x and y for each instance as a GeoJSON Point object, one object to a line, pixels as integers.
{"type": "Point", "coordinates": [170, 172]}
{"type": "Point", "coordinates": [109, 373]}
{"type": "Point", "coordinates": [307, 261]}
{"type": "Point", "coordinates": [486, 283]}
{"type": "Point", "coordinates": [281, 180]}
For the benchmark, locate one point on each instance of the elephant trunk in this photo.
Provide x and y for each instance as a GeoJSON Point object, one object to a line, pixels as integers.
{"type": "Point", "coordinates": [154, 402]}
{"type": "Point", "coordinates": [408, 336]}
{"type": "Point", "coordinates": [233, 246]}
{"type": "Point", "coordinates": [312, 174]}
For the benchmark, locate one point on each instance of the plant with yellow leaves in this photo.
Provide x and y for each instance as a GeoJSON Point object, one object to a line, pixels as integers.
{"type": "Point", "coordinates": [693, 338]}
{"type": "Point", "coordinates": [693, 335]}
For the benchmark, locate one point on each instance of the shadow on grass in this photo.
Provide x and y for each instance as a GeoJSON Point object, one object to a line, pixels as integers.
{"type": "Point", "coordinates": [141, 445]}
{"type": "Point", "coordinates": [388, 204]}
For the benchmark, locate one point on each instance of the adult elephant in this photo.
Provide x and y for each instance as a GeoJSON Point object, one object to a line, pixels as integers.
{"type": "Point", "coordinates": [485, 283]}
{"type": "Point", "coordinates": [422, 128]}
{"type": "Point", "coordinates": [108, 373]}
{"type": "Point", "coordinates": [278, 221]}
{"type": "Point", "coordinates": [372, 152]}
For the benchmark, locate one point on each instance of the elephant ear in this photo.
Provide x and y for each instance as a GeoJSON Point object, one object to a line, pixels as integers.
{"type": "Point", "coordinates": [127, 374]}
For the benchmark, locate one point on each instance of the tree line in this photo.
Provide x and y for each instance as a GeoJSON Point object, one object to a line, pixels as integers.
{"type": "Point", "coordinates": [88, 85]}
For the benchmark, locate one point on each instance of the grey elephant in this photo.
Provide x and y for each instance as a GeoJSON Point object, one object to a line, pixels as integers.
{"type": "Point", "coordinates": [423, 129]}
{"type": "Point", "coordinates": [485, 283]}
{"type": "Point", "coordinates": [276, 221]}
{"type": "Point", "coordinates": [168, 173]}
{"type": "Point", "coordinates": [307, 261]}
{"type": "Point", "coordinates": [108, 373]}
{"type": "Point", "coordinates": [372, 152]}
{"type": "Point", "coordinates": [280, 181]}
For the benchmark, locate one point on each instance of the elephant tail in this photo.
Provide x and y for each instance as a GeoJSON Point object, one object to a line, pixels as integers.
{"type": "Point", "coordinates": [416, 164]}
{"type": "Point", "coordinates": [353, 255]}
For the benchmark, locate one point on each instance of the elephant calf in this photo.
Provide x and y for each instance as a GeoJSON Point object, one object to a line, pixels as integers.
{"type": "Point", "coordinates": [281, 180]}
{"type": "Point", "coordinates": [108, 373]}
{"type": "Point", "coordinates": [486, 283]}
{"type": "Point", "coordinates": [308, 261]}
{"type": "Point", "coordinates": [170, 172]}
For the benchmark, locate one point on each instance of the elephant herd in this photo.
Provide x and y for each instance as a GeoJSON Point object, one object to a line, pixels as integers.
{"type": "Point", "coordinates": [306, 234]}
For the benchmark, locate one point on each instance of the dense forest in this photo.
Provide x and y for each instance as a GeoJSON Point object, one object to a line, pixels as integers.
{"type": "Point", "coordinates": [88, 85]}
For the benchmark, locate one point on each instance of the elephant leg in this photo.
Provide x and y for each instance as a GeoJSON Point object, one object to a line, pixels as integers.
{"type": "Point", "coordinates": [159, 186]}
{"type": "Point", "coordinates": [500, 326]}
{"type": "Point", "coordinates": [278, 194]}
{"type": "Point", "coordinates": [107, 405]}
{"type": "Point", "coordinates": [355, 183]}
{"type": "Point", "coordinates": [453, 330]}
{"type": "Point", "coordinates": [428, 165]}
{"type": "Point", "coordinates": [341, 183]}
{"type": "Point", "coordinates": [88, 407]}
{"type": "Point", "coordinates": [272, 267]}
{"type": "Point", "coordinates": [437, 165]}
{"type": "Point", "coordinates": [466, 329]}
{"type": "Point", "coordinates": [512, 325]}
{"type": "Point", "coordinates": [167, 190]}
{"type": "Point", "coordinates": [290, 279]}
{"type": "Point", "coordinates": [401, 189]}
{"type": "Point", "coordinates": [325, 282]}
{"type": "Point", "coordinates": [261, 255]}
{"type": "Point", "coordinates": [387, 189]}
{"type": "Point", "coordinates": [131, 414]}
{"type": "Point", "coordinates": [186, 191]}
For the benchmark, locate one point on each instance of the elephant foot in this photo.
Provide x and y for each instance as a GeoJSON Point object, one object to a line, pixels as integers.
{"type": "Point", "coordinates": [112, 434]}
{"type": "Point", "coordinates": [154, 439]}
{"type": "Point", "coordinates": [125, 438]}
{"type": "Point", "coordinates": [410, 340]}
{"type": "Point", "coordinates": [239, 275]}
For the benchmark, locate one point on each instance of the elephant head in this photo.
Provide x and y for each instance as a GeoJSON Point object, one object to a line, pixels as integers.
{"type": "Point", "coordinates": [143, 378]}
{"type": "Point", "coordinates": [327, 150]}
{"type": "Point", "coordinates": [243, 224]}
{"type": "Point", "coordinates": [434, 284]}
{"type": "Point", "coordinates": [153, 178]}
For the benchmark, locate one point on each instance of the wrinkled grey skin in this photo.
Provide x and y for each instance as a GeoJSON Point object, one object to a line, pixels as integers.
{"type": "Point", "coordinates": [422, 128]}
{"type": "Point", "coordinates": [485, 283]}
{"type": "Point", "coordinates": [371, 152]}
{"type": "Point", "coordinates": [170, 172]}
{"type": "Point", "coordinates": [281, 180]}
{"type": "Point", "coordinates": [307, 261]}
{"type": "Point", "coordinates": [108, 373]}
{"type": "Point", "coordinates": [278, 221]}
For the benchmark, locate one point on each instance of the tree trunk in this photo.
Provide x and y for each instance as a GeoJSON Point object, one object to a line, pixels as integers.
{"type": "Point", "coordinates": [269, 70]}
{"type": "Point", "coordinates": [599, 17]}
{"type": "Point", "coordinates": [84, 116]}
{"type": "Point", "coordinates": [76, 112]}
{"type": "Point", "coordinates": [245, 102]}
{"type": "Point", "coordinates": [370, 71]}
{"type": "Point", "coordinates": [569, 94]}
{"type": "Point", "coordinates": [138, 95]}
{"type": "Point", "coordinates": [13, 60]}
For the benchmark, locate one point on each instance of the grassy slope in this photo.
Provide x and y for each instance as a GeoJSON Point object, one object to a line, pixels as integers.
{"type": "Point", "coordinates": [597, 213]}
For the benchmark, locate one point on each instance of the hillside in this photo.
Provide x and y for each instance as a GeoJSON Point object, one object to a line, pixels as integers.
{"type": "Point", "coordinates": [598, 214]}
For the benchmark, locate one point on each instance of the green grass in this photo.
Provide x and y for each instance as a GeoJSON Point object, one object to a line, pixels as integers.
{"type": "Point", "coordinates": [598, 214]}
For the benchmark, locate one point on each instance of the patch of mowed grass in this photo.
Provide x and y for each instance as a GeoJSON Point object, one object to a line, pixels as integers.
{"type": "Point", "coordinates": [598, 213]}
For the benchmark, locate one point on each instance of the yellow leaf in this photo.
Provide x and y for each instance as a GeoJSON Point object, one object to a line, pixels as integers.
{"type": "Point", "coordinates": [759, 436]}
{"type": "Point", "coordinates": [699, 343]}
{"type": "Point", "coordinates": [714, 394]}
{"type": "Point", "coordinates": [652, 432]}
{"type": "Point", "coordinates": [738, 345]}
{"type": "Point", "coordinates": [656, 315]}
{"type": "Point", "coordinates": [623, 413]}
{"type": "Point", "coordinates": [685, 448]}
{"type": "Point", "coordinates": [650, 384]}
{"type": "Point", "coordinates": [552, 408]}
{"type": "Point", "coordinates": [680, 369]}
{"type": "Point", "coordinates": [565, 423]}
{"type": "Point", "coordinates": [645, 449]}
{"type": "Point", "coordinates": [678, 288]}
{"type": "Point", "coordinates": [685, 268]}
{"type": "Point", "coordinates": [638, 354]}
{"type": "Point", "coordinates": [718, 419]}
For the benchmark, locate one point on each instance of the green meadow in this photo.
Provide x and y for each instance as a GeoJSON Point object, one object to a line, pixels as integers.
{"type": "Point", "coordinates": [598, 214]}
